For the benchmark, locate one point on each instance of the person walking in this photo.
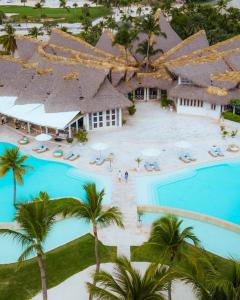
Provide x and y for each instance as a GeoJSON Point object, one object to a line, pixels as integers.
{"type": "Point", "coordinates": [119, 176]}
{"type": "Point", "coordinates": [126, 176]}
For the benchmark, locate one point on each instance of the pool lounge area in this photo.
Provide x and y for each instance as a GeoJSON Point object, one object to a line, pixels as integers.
{"type": "Point", "coordinates": [56, 178]}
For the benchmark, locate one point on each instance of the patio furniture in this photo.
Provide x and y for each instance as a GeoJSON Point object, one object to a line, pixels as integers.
{"type": "Point", "coordinates": [148, 167]}
{"type": "Point", "coordinates": [220, 152]}
{"type": "Point", "coordinates": [190, 156]}
{"type": "Point", "coordinates": [156, 166]}
{"type": "Point", "coordinates": [93, 160]}
{"type": "Point", "coordinates": [43, 149]}
{"type": "Point", "coordinates": [74, 157]}
{"type": "Point", "coordinates": [38, 147]}
{"type": "Point", "coordinates": [58, 153]}
{"type": "Point", "coordinates": [185, 158]}
{"type": "Point", "coordinates": [23, 141]}
{"type": "Point", "coordinates": [100, 161]}
{"type": "Point", "coordinates": [67, 154]}
{"type": "Point", "coordinates": [213, 151]}
{"type": "Point", "coordinates": [233, 148]}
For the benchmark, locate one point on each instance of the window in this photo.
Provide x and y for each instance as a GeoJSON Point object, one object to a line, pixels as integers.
{"type": "Point", "coordinates": [213, 106]}
{"type": "Point", "coordinates": [153, 93]}
{"type": "Point", "coordinates": [139, 93]}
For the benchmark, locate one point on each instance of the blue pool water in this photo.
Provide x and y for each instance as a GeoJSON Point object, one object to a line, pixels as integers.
{"type": "Point", "coordinates": [213, 238]}
{"type": "Point", "coordinates": [63, 231]}
{"type": "Point", "coordinates": [58, 179]}
{"type": "Point", "coordinates": [213, 190]}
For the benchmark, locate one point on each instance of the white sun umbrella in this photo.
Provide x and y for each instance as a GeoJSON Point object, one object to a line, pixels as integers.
{"type": "Point", "coordinates": [43, 137]}
{"type": "Point", "coordinates": [150, 152]}
{"type": "Point", "coordinates": [183, 145]}
{"type": "Point", "coordinates": [99, 147]}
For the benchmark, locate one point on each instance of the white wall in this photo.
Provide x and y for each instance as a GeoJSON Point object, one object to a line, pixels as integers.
{"type": "Point", "coordinates": [199, 111]}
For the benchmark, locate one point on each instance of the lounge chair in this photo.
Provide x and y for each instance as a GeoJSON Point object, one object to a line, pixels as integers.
{"type": "Point", "coordinates": [220, 152]}
{"type": "Point", "coordinates": [93, 160]}
{"type": "Point", "coordinates": [43, 149]}
{"type": "Point", "coordinates": [38, 147]}
{"type": "Point", "coordinates": [148, 167]}
{"type": "Point", "coordinates": [74, 156]}
{"type": "Point", "coordinates": [67, 154]}
{"type": "Point", "coordinates": [58, 153]}
{"type": "Point", "coordinates": [100, 161]}
{"type": "Point", "coordinates": [185, 158]}
{"type": "Point", "coordinates": [213, 151]}
{"type": "Point", "coordinates": [189, 155]}
{"type": "Point", "coordinates": [156, 166]}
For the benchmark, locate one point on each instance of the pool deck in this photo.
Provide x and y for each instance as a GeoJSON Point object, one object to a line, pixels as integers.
{"type": "Point", "coordinates": [150, 127]}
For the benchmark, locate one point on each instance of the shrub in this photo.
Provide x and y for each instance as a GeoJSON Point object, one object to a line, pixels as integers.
{"type": "Point", "coordinates": [70, 140]}
{"type": "Point", "coordinates": [131, 110]}
{"type": "Point", "coordinates": [230, 116]}
{"type": "Point", "coordinates": [165, 102]}
{"type": "Point", "coordinates": [81, 136]}
{"type": "Point", "coordinates": [234, 133]}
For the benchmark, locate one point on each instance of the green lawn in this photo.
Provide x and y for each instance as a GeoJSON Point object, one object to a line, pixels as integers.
{"type": "Point", "coordinates": [33, 14]}
{"type": "Point", "coordinates": [61, 263]}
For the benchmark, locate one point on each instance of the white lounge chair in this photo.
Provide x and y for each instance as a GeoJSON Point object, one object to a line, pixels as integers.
{"type": "Point", "coordinates": [185, 158]}
{"type": "Point", "coordinates": [67, 154]}
{"type": "Point", "coordinates": [100, 161]}
{"type": "Point", "coordinates": [213, 151]}
{"type": "Point", "coordinates": [43, 149]}
{"type": "Point", "coordinates": [156, 166]}
{"type": "Point", "coordinates": [148, 167]}
{"type": "Point", "coordinates": [74, 156]}
{"type": "Point", "coordinates": [38, 147]}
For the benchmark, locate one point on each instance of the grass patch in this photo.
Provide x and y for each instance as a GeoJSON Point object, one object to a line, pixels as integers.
{"type": "Point", "coordinates": [61, 263]}
{"type": "Point", "coordinates": [228, 115]}
{"type": "Point", "coordinates": [36, 15]}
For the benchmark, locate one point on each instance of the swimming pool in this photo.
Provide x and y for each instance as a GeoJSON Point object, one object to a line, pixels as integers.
{"type": "Point", "coordinates": [58, 179]}
{"type": "Point", "coordinates": [62, 232]}
{"type": "Point", "coordinates": [213, 238]}
{"type": "Point", "coordinates": [211, 190]}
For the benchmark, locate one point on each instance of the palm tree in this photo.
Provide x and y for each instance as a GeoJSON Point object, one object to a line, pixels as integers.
{"type": "Point", "coordinates": [35, 32]}
{"type": "Point", "coordinates": [36, 220]}
{"type": "Point", "coordinates": [127, 283]}
{"type": "Point", "coordinates": [150, 26]}
{"type": "Point", "coordinates": [145, 50]}
{"type": "Point", "coordinates": [125, 37]}
{"type": "Point", "coordinates": [92, 211]}
{"type": "Point", "coordinates": [63, 4]}
{"type": "Point", "coordinates": [2, 17]}
{"type": "Point", "coordinates": [168, 236]}
{"type": "Point", "coordinates": [8, 40]}
{"type": "Point", "coordinates": [12, 160]}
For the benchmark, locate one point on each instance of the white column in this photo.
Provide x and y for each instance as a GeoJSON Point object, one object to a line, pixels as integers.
{"type": "Point", "coordinates": [28, 127]}
{"type": "Point", "coordinates": [69, 131]}
{"type": "Point", "coordinates": [158, 94]}
{"type": "Point", "coordinates": [145, 93]}
{"type": "Point", "coordinates": [46, 130]}
{"type": "Point", "coordinates": [120, 117]}
{"type": "Point", "coordinates": [86, 122]}
{"type": "Point", "coordinates": [77, 126]}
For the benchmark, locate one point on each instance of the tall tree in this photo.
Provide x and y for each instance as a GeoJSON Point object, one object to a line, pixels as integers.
{"type": "Point", "coordinates": [8, 41]}
{"type": "Point", "coordinates": [92, 211]}
{"type": "Point", "coordinates": [36, 220]}
{"type": "Point", "coordinates": [150, 26]}
{"type": "Point", "coordinates": [170, 238]}
{"type": "Point", "coordinates": [12, 161]}
{"type": "Point", "coordinates": [125, 36]}
{"type": "Point", "coordinates": [35, 32]}
{"type": "Point", "coordinates": [128, 283]}
{"type": "Point", "coordinates": [145, 50]}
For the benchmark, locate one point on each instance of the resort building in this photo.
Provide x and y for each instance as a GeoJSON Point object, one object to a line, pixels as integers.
{"type": "Point", "coordinates": [65, 84]}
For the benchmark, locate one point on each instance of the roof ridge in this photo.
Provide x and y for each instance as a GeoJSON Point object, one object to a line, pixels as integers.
{"type": "Point", "coordinates": [179, 46]}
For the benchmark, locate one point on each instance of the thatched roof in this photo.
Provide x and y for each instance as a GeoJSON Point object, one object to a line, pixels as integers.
{"type": "Point", "coordinates": [171, 40]}
{"type": "Point", "coordinates": [194, 42]}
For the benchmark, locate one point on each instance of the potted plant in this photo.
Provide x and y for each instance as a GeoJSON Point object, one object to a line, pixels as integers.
{"type": "Point", "coordinates": [69, 140]}
{"type": "Point", "coordinates": [81, 136]}
{"type": "Point", "coordinates": [234, 133]}
{"type": "Point", "coordinates": [132, 109]}
{"type": "Point", "coordinates": [138, 161]}
{"type": "Point", "coordinates": [224, 133]}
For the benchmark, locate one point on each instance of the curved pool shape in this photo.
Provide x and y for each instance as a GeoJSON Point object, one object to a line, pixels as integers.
{"type": "Point", "coordinates": [58, 179]}
{"type": "Point", "coordinates": [218, 240]}
{"type": "Point", "coordinates": [211, 190]}
{"type": "Point", "coordinates": [62, 232]}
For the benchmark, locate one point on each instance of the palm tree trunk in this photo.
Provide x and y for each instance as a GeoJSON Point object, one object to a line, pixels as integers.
{"type": "Point", "coordinates": [14, 190]}
{"type": "Point", "coordinates": [147, 64]}
{"type": "Point", "coordinates": [96, 254]}
{"type": "Point", "coordinates": [96, 249]}
{"type": "Point", "coordinates": [170, 290]}
{"type": "Point", "coordinates": [126, 55]}
{"type": "Point", "coordinates": [43, 275]}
